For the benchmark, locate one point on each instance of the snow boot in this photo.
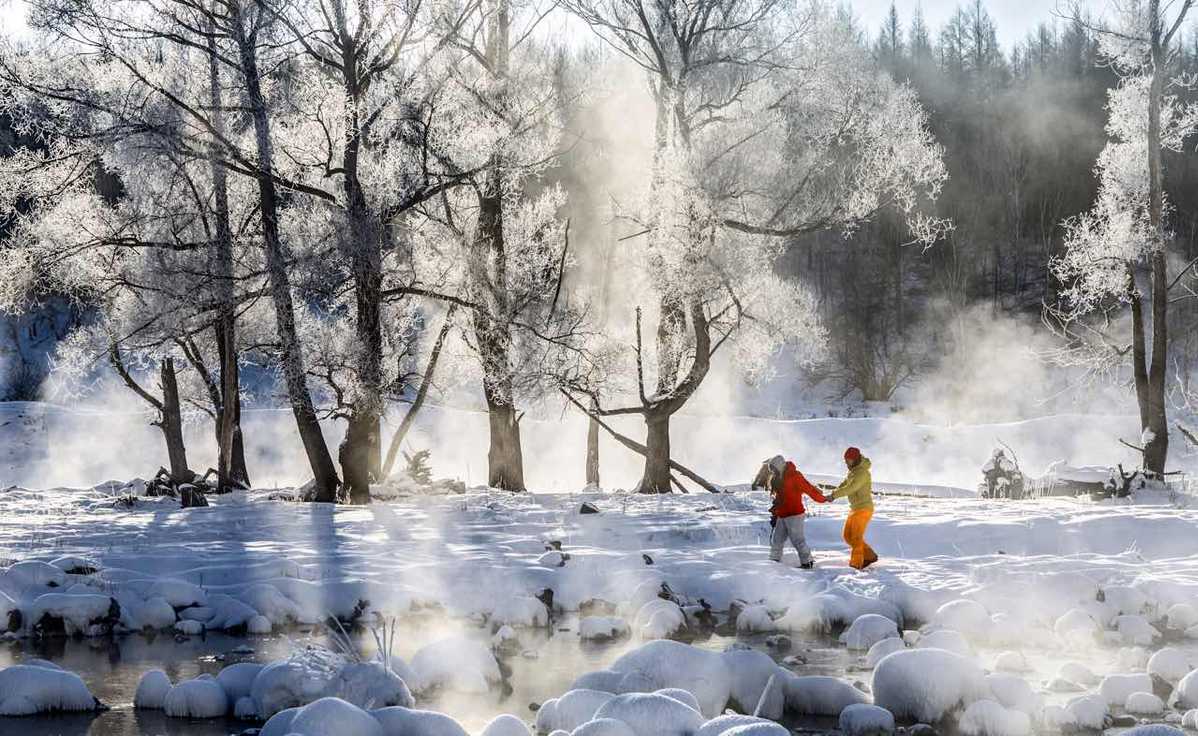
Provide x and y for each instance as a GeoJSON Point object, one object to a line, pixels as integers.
{"type": "Point", "coordinates": [807, 565]}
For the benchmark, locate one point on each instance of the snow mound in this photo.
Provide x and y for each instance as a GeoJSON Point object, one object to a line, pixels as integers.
{"type": "Point", "coordinates": [947, 639]}
{"type": "Point", "coordinates": [370, 685]}
{"type": "Point", "coordinates": [334, 717]}
{"type": "Point", "coordinates": [457, 664]}
{"type": "Point", "coordinates": [966, 616]}
{"type": "Point", "coordinates": [883, 648]}
{"type": "Point", "coordinates": [602, 628]}
{"type": "Point", "coordinates": [818, 695]}
{"type": "Point", "coordinates": [989, 718]}
{"type": "Point", "coordinates": [301, 679]}
{"type": "Point", "coordinates": [83, 614]}
{"type": "Point", "coordinates": [1057, 718]}
{"type": "Point", "coordinates": [758, 729]}
{"type": "Point", "coordinates": [650, 714]}
{"type": "Point", "coordinates": [601, 727]}
{"type": "Point", "coordinates": [1144, 704]}
{"type": "Point", "coordinates": [723, 724]}
{"type": "Point", "coordinates": [151, 690]}
{"type": "Point", "coordinates": [866, 631]}
{"type": "Point", "coordinates": [410, 721]}
{"type": "Point", "coordinates": [506, 725]}
{"type": "Point", "coordinates": [1089, 712]}
{"type": "Point", "coordinates": [1171, 664]}
{"type": "Point", "coordinates": [926, 684]}
{"type": "Point", "coordinates": [26, 690]}
{"type": "Point", "coordinates": [1190, 719]}
{"type": "Point", "coordinates": [1187, 691]}
{"type": "Point", "coordinates": [32, 575]}
{"type": "Point", "coordinates": [199, 698]}
{"type": "Point", "coordinates": [862, 719]}
{"type": "Point", "coordinates": [836, 606]}
{"type": "Point", "coordinates": [1124, 599]}
{"type": "Point", "coordinates": [1115, 688]}
{"type": "Point", "coordinates": [571, 710]}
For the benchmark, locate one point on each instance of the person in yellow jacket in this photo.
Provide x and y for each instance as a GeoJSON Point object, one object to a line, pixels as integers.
{"type": "Point", "coordinates": [857, 487]}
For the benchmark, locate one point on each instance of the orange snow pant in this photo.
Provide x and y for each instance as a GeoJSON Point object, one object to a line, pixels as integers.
{"type": "Point", "coordinates": [854, 537]}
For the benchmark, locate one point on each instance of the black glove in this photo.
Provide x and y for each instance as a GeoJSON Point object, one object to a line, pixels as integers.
{"type": "Point", "coordinates": [773, 521]}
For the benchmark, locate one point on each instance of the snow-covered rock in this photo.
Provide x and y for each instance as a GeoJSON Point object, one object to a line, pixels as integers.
{"type": "Point", "coordinates": [601, 727]}
{"type": "Point", "coordinates": [198, 698]}
{"type": "Point", "coordinates": [1089, 711]}
{"type": "Point", "coordinates": [333, 717]}
{"type": "Point", "coordinates": [665, 664]}
{"type": "Point", "coordinates": [947, 639]}
{"type": "Point", "coordinates": [1115, 688]}
{"type": "Point", "coordinates": [1154, 729]}
{"type": "Point", "coordinates": [1181, 616]}
{"type": "Point", "coordinates": [1144, 704]}
{"type": "Point", "coordinates": [27, 689]}
{"type": "Point", "coordinates": [755, 620]}
{"type": "Point", "coordinates": [990, 718]}
{"type": "Point", "coordinates": [259, 625]}
{"type": "Point", "coordinates": [400, 720]}
{"type": "Point", "coordinates": [758, 729]}
{"type": "Point", "coordinates": [881, 649]}
{"type": "Point", "coordinates": [370, 685]}
{"type": "Point", "coordinates": [1014, 692]}
{"type": "Point", "coordinates": [457, 663]}
{"type": "Point", "coordinates": [682, 696]}
{"type": "Point", "coordinates": [1076, 626]}
{"type": "Point", "coordinates": [926, 684]}
{"type": "Point", "coordinates": [521, 610]}
{"type": "Point", "coordinates": [86, 614]}
{"type": "Point", "coordinates": [1057, 718]}
{"type": "Point", "coordinates": [296, 681]}
{"type": "Point", "coordinates": [659, 619]}
{"type": "Point", "coordinates": [818, 695]}
{"type": "Point", "coordinates": [1133, 658]}
{"type": "Point", "coordinates": [649, 714]}
{"type": "Point", "coordinates": [506, 725]}
{"type": "Point", "coordinates": [238, 679]}
{"type": "Point", "coordinates": [602, 628]}
{"type": "Point", "coordinates": [868, 630]}
{"type": "Point", "coordinates": [571, 710]}
{"type": "Point", "coordinates": [32, 575]}
{"type": "Point", "coordinates": [751, 673]}
{"type": "Point", "coordinates": [151, 690]}
{"type": "Point", "coordinates": [966, 616]}
{"type": "Point", "coordinates": [1187, 691]}
{"type": "Point", "coordinates": [863, 719]}
{"type": "Point", "coordinates": [1136, 629]}
{"type": "Point", "coordinates": [1171, 664]}
{"type": "Point", "coordinates": [1190, 719]}
{"type": "Point", "coordinates": [723, 724]}
{"type": "Point", "coordinates": [1077, 672]}
{"type": "Point", "coordinates": [1124, 599]}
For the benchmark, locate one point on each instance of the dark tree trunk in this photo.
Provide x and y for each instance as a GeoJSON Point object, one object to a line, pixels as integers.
{"type": "Point", "coordinates": [171, 423]}
{"type": "Point", "coordinates": [230, 462]}
{"type": "Point", "coordinates": [321, 462]}
{"type": "Point", "coordinates": [592, 462]}
{"type": "Point", "coordinates": [505, 459]}
{"type": "Point", "coordinates": [656, 478]}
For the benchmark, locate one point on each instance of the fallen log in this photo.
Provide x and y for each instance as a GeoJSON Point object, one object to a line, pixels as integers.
{"type": "Point", "coordinates": [640, 449]}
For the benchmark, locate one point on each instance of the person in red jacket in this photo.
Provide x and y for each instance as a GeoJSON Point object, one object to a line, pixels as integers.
{"type": "Point", "coordinates": [787, 514]}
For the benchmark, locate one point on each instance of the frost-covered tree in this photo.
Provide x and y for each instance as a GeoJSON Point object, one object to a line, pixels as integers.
{"type": "Point", "coordinates": [502, 234]}
{"type": "Point", "coordinates": [770, 123]}
{"type": "Point", "coordinates": [1116, 255]}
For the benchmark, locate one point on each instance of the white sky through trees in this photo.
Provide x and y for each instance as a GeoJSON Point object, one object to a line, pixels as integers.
{"type": "Point", "coordinates": [1014, 18]}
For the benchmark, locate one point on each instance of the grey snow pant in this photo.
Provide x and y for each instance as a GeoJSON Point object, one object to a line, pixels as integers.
{"type": "Point", "coordinates": [790, 527]}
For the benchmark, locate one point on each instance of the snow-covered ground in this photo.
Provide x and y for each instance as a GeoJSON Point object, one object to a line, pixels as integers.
{"type": "Point", "coordinates": [1016, 584]}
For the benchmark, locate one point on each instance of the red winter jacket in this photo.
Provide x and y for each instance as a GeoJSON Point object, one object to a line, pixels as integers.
{"type": "Point", "coordinates": [789, 499]}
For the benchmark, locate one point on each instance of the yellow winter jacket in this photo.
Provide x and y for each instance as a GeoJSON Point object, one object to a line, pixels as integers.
{"type": "Point", "coordinates": [858, 487]}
